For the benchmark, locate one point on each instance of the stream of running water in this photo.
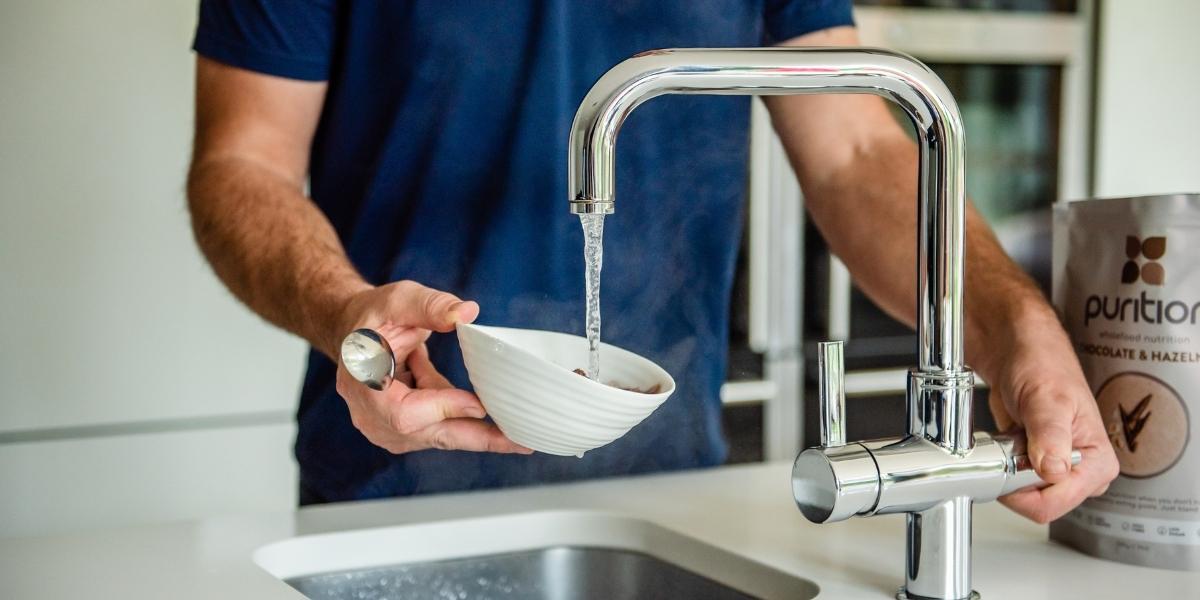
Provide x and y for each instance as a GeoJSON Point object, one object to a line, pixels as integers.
{"type": "Point", "coordinates": [593, 259]}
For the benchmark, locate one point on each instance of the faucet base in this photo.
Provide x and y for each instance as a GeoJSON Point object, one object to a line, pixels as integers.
{"type": "Point", "coordinates": [902, 594]}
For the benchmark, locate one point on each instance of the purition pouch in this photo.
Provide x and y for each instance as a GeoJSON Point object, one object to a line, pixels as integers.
{"type": "Point", "coordinates": [1127, 286]}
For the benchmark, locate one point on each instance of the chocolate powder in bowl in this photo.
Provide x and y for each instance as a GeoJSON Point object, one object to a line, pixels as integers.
{"type": "Point", "coordinates": [654, 389]}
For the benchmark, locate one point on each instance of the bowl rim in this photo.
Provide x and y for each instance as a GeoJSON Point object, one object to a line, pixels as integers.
{"type": "Point", "coordinates": [620, 392]}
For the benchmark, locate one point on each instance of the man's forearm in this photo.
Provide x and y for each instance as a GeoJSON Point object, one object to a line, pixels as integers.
{"type": "Point", "coordinates": [877, 241]}
{"type": "Point", "coordinates": [272, 247]}
{"type": "Point", "coordinates": [859, 173]}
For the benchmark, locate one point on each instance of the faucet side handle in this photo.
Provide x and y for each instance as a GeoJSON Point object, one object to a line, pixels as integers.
{"type": "Point", "coordinates": [1019, 473]}
{"type": "Point", "coordinates": [836, 480]}
{"type": "Point", "coordinates": [831, 392]}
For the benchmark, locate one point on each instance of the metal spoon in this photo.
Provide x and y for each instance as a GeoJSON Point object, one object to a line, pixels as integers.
{"type": "Point", "coordinates": [369, 359]}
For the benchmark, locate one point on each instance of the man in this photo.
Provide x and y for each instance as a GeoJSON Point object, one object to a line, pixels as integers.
{"type": "Point", "coordinates": [433, 138]}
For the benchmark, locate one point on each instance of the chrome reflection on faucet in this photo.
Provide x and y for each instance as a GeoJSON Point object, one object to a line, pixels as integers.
{"type": "Point", "coordinates": [941, 467]}
{"type": "Point", "coordinates": [912, 475]}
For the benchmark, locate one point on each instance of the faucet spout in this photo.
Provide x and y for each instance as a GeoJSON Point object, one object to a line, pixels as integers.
{"type": "Point", "coordinates": [782, 71]}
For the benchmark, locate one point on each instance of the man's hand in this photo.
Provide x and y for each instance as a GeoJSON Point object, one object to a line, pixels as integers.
{"type": "Point", "coordinates": [428, 412]}
{"type": "Point", "coordinates": [1041, 389]}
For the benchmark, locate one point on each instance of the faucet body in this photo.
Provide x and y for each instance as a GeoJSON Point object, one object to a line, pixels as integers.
{"type": "Point", "coordinates": [936, 471]}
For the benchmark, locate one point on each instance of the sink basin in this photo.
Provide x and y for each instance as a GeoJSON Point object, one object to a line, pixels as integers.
{"type": "Point", "coordinates": [561, 555]}
{"type": "Point", "coordinates": [553, 573]}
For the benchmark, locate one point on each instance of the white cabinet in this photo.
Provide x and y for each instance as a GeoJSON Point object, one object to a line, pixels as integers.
{"type": "Point", "coordinates": [110, 322]}
{"type": "Point", "coordinates": [102, 482]}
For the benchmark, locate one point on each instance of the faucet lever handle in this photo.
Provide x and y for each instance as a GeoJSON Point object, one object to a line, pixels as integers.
{"type": "Point", "coordinates": [831, 392]}
{"type": "Point", "coordinates": [1018, 471]}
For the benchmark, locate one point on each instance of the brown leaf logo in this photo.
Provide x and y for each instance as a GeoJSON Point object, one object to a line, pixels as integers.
{"type": "Point", "coordinates": [1152, 249]}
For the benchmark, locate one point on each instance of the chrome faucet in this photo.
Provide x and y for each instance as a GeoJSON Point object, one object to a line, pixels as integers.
{"type": "Point", "coordinates": [940, 468]}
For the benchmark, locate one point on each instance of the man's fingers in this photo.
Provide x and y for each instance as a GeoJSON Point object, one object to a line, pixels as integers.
{"type": "Point", "coordinates": [1048, 420]}
{"type": "Point", "coordinates": [473, 435]}
{"type": "Point", "coordinates": [409, 411]}
{"type": "Point", "coordinates": [1050, 503]}
{"type": "Point", "coordinates": [424, 373]}
{"type": "Point", "coordinates": [432, 309]}
{"type": "Point", "coordinates": [1089, 478]}
{"type": "Point", "coordinates": [402, 339]}
{"type": "Point", "coordinates": [1028, 504]}
{"type": "Point", "coordinates": [999, 410]}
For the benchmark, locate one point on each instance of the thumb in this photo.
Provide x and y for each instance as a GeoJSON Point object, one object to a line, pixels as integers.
{"type": "Point", "coordinates": [1048, 423]}
{"type": "Point", "coordinates": [432, 309]}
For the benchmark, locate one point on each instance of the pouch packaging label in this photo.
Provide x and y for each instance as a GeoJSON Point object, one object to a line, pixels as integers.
{"type": "Point", "coordinates": [1127, 286]}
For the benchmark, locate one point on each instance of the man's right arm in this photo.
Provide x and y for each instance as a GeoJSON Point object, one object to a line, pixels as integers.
{"type": "Point", "coordinates": [266, 240]}
{"type": "Point", "coordinates": [278, 253]}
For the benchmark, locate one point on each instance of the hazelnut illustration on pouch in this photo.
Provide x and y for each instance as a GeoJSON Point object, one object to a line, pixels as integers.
{"type": "Point", "coordinates": [1146, 422]}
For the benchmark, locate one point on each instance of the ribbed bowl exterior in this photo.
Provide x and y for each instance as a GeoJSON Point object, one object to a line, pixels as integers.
{"type": "Point", "coordinates": [524, 379]}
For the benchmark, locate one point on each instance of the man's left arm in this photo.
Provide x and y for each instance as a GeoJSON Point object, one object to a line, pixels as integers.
{"type": "Point", "coordinates": [858, 169]}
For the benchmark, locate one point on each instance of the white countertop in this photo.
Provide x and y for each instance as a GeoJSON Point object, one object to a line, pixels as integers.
{"type": "Point", "coordinates": [746, 509]}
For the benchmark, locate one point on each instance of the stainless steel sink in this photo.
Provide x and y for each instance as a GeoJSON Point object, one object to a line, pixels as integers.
{"type": "Point", "coordinates": [562, 573]}
{"type": "Point", "coordinates": [560, 555]}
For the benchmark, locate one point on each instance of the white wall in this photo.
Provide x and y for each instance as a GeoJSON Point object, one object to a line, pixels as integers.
{"type": "Point", "coordinates": [118, 347]}
{"type": "Point", "coordinates": [1148, 128]}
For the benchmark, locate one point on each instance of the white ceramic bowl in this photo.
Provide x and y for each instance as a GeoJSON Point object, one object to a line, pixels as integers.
{"type": "Point", "coordinates": [525, 379]}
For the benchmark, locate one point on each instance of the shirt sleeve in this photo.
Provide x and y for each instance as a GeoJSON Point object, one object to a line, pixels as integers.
{"type": "Point", "coordinates": [286, 38]}
{"type": "Point", "coordinates": [786, 19]}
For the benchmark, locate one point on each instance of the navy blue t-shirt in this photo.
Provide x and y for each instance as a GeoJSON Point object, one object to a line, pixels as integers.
{"type": "Point", "coordinates": [441, 157]}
